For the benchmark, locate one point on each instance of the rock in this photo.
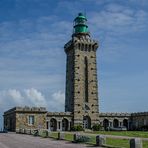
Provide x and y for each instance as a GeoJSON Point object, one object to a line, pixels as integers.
{"type": "Point", "coordinates": [135, 143]}
{"type": "Point", "coordinates": [100, 140]}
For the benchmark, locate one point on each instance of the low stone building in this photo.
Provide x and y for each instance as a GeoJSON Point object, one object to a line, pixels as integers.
{"type": "Point", "coordinates": [81, 100]}
{"type": "Point", "coordinates": [59, 121]}
{"type": "Point", "coordinates": [115, 120]}
{"type": "Point", "coordinates": [25, 118]}
{"type": "Point", "coordinates": [38, 118]}
{"type": "Point", "coordinates": [139, 121]}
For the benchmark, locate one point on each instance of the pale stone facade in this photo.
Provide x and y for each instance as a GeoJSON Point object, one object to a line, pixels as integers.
{"type": "Point", "coordinates": [81, 81]}
{"type": "Point", "coordinates": [139, 121]}
{"type": "Point", "coordinates": [59, 121]}
{"type": "Point", "coordinates": [82, 102]}
{"type": "Point", "coordinates": [18, 118]}
{"type": "Point", "coordinates": [115, 120]}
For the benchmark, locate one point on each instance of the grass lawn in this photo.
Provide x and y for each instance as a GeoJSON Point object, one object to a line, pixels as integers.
{"type": "Point", "coordinates": [145, 144]}
{"type": "Point", "coordinates": [118, 142]}
{"type": "Point", "coordinates": [69, 136]}
{"type": "Point", "coordinates": [141, 134]}
{"type": "Point", "coordinates": [53, 135]}
{"type": "Point", "coordinates": [123, 143]}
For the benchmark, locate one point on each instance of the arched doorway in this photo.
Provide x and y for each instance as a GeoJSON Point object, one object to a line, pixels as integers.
{"type": "Point", "coordinates": [86, 122]}
{"type": "Point", "coordinates": [53, 124]}
{"type": "Point", "coordinates": [105, 124]}
{"type": "Point", "coordinates": [65, 125]}
{"type": "Point", "coordinates": [115, 123]}
{"type": "Point", "coordinates": [125, 123]}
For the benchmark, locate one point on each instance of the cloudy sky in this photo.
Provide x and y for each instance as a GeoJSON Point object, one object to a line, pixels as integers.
{"type": "Point", "coordinates": [32, 58]}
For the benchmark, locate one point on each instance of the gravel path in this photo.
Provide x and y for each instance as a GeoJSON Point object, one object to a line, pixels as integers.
{"type": "Point", "coordinates": [12, 140]}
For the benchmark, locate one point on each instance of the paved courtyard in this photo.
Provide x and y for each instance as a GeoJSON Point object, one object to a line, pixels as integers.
{"type": "Point", "coordinates": [12, 140]}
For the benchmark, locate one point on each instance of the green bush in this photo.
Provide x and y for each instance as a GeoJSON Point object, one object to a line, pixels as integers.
{"type": "Point", "coordinates": [82, 138]}
{"type": "Point", "coordinates": [144, 128]}
{"type": "Point", "coordinates": [35, 133]}
{"type": "Point", "coordinates": [44, 133]}
{"type": "Point", "coordinates": [96, 127]}
{"type": "Point", "coordinates": [77, 128]}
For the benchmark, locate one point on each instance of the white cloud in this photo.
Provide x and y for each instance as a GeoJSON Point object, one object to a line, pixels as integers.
{"type": "Point", "coordinates": [15, 95]}
{"type": "Point", "coordinates": [119, 19]}
{"type": "Point", "coordinates": [9, 97]}
{"type": "Point", "coordinates": [56, 101]}
{"type": "Point", "coordinates": [35, 97]}
{"type": "Point", "coordinates": [30, 97]}
{"type": "Point", "coordinates": [59, 97]}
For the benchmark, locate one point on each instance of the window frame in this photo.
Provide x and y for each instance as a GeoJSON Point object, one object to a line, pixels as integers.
{"type": "Point", "coordinates": [31, 120]}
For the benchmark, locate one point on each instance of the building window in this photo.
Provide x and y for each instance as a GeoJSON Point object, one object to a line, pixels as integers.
{"type": "Point", "coordinates": [59, 125]}
{"type": "Point", "coordinates": [31, 120]}
{"type": "Point", "coordinates": [86, 78]}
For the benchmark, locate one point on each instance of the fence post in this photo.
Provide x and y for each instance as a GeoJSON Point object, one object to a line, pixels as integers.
{"type": "Point", "coordinates": [136, 143]}
{"type": "Point", "coordinates": [61, 136]}
{"type": "Point", "coordinates": [30, 132]}
{"type": "Point", "coordinates": [100, 140]}
{"type": "Point", "coordinates": [74, 137]}
{"type": "Point", "coordinates": [24, 131]}
{"type": "Point", "coordinates": [46, 131]}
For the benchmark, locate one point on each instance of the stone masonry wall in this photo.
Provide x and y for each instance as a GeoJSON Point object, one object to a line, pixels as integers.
{"type": "Point", "coordinates": [22, 120]}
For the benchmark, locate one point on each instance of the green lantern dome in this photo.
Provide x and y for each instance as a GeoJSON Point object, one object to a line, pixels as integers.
{"type": "Point", "coordinates": [80, 25]}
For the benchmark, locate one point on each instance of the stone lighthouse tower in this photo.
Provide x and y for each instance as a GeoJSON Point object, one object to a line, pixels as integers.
{"type": "Point", "coordinates": [81, 75]}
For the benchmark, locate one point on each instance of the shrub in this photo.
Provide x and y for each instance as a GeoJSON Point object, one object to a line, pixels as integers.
{"type": "Point", "coordinates": [35, 133]}
{"type": "Point", "coordinates": [77, 128]}
{"type": "Point", "coordinates": [144, 128]}
{"type": "Point", "coordinates": [82, 138]}
{"type": "Point", "coordinates": [96, 127]}
{"type": "Point", "coordinates": [44, 133]}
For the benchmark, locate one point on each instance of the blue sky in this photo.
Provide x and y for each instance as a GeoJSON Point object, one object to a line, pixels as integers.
{"type": "Point", "coordinates": [32, 58]}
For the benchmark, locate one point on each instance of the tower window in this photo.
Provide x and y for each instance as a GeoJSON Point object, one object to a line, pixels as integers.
{"type": "Point", "coordinates": [82, 48]}
{"type": "Point", "coordinates": [89, 48]}
{"type": "Point", "coordinates": [86, 47]}
{"type": "Point", "coordinates": [79, 46]}
{"type": "Point", "coordinates": [93, 47]}
{"type": "Point", "coordinates": [86, 78]}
